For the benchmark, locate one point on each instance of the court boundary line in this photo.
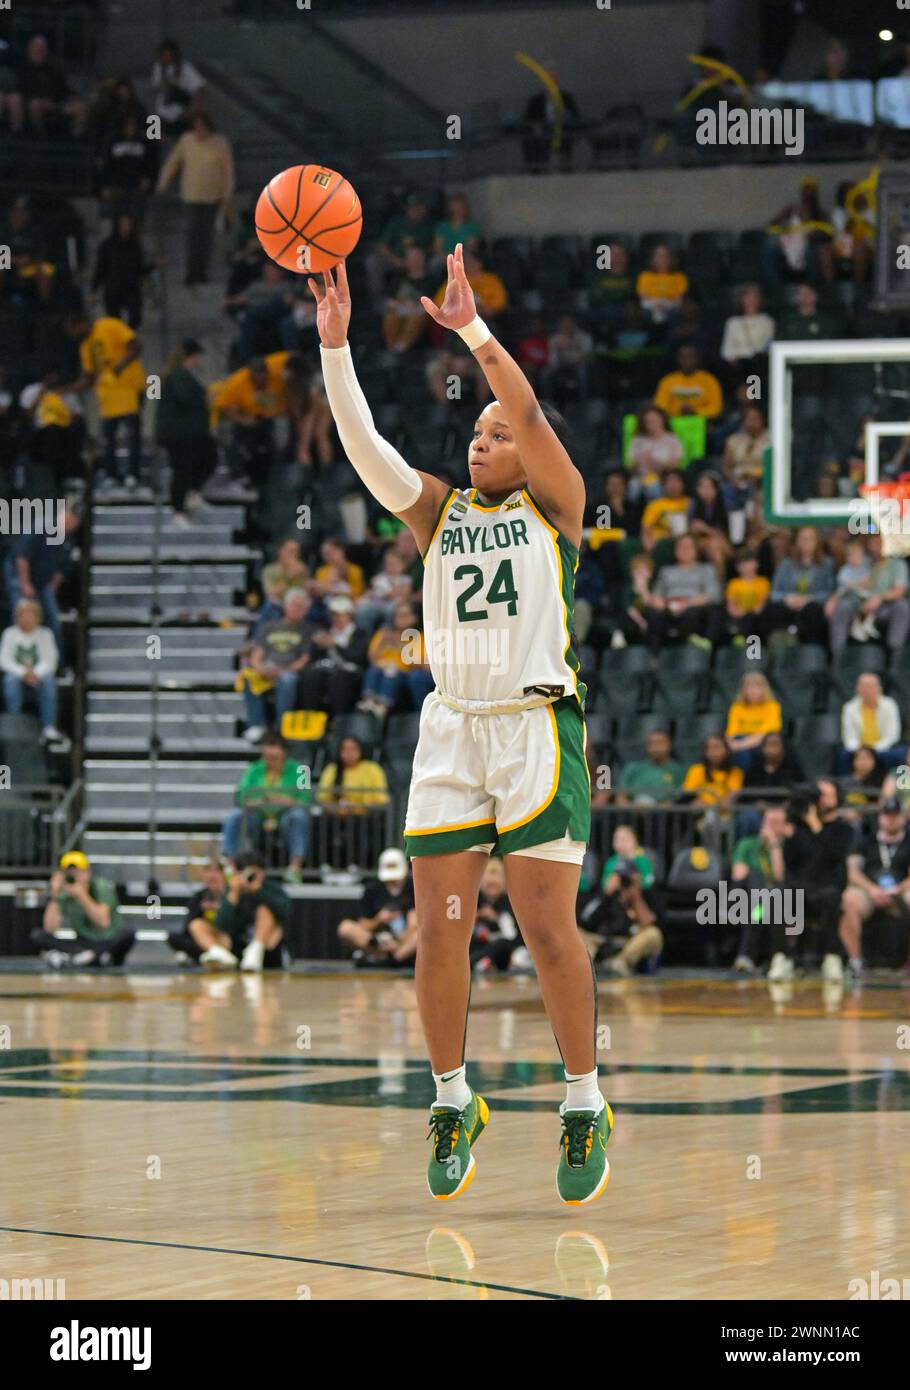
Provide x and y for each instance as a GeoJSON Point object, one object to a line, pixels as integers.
{"type": "Point", "coordinates": [291, 1259]}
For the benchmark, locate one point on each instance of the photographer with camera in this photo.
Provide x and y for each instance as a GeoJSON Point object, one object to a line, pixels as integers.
{"type": "Point", "coordinates": [818, 843]}
{"type": "Point", "coordinates": [385, 933]}
{"type": "Point", "coordinates": [198, 934]}
{"type": "Point", "coordinates": [87, 905]}
{"type": "Point", "coordinates": [624, 916]}
{"type": "Point", "coordinates": [253, 914]}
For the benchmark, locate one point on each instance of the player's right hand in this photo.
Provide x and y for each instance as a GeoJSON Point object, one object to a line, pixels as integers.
{"type": "Point", "coordinates": [333, 306]}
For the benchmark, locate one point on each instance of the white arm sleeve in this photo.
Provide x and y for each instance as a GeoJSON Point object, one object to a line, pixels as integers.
{"type": "Point", "coordinates": [394, 483]}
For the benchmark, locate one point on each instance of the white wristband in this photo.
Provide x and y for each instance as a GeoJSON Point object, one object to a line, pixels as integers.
{"type": "Point", "coordinates": [475, 333]}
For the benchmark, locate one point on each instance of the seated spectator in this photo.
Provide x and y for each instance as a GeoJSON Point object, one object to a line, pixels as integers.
{"type": "Point", "coordinates": [489, 291]}
{"type": "Point", "coordinates": [261, 308]}
{"type": "Point", "coordinates": [744, 451]}
{"type": "Point", "coordinates": [385, 933]}
{"type": "Point", "coordinates": [178, 89]}
{"type": "Point", "coordinates": [57, 424]}
{"type": "Point", "coordinates": [661, 287]}
{"type": "Point", "coordinates": [615, 511]}
{"type": "Point", "coordinates": [413, 226]}
{"type": "Point", "coordinates": [269, 797]}
{"type": "Point", "coordinates": [801, 583]}
{"type": "Point", "coordinates": [871, 597]}
{"type": "Point", "coordinates": [390, 586]}
{"type": "Point", "coordinates": [34, 568]}
{"type": "Point", "coordinates": [309, 413]}
{"type": "Point", "coordinates": [665, 516]}
{"type": "Point", "coordinates": [28, 660]}
{"type": "Point", "coordinates": [758, 864]}
{"type": "Point", "coordinates": [753, 714]}
{"type": "Point", "coordinates": [747, 334]}
{"type": "Point", "coordinates": [280, 651]}
{"type": "Point", "coordinates": [333, 678]}
{"type": "Point", "coordinates": [34, 275]}
{"type": "Point", "coordinates": [447, 364]}
{"type": "Point", "coordinates": [872, 720]}
{"type": "Point", "coordinates": [86, 905]}
{"type": "Point", "coordinates": [878, 880]}
{"type": "Point", "coordinates": [633, 623]}
{"type": "Point", "coordinates": [620, 925]}
{"type": "Point", "coordinates": [805, 320]}
{"type": "Point", "coordinates": [120, 269]}
{"type": "Point", "coordinates": [195, 936]}
{"type": "Point", "coordinates": [41, 99]}
{"type": "Point", "coordinates": [458, 225]}
{"type": "Point", "coordinates": [337, 574]}
{"type": "Point", "coordinates": [684, 600]}
{"type": "Point", "coordinates": [253, 915]}
{"type": "Point", "coordinates": [716, 778]}
{"type": "Point", "coordinates": [352, 789]}
{"type": "Point", "coordinates": [397, 666]}
{"type": "Point", "coordinates": [687, 326]}
{"type": "Point", "coordinates": [656, 777]}
{"type": "Point", "coordinates": [862, 786]}
{"type": "Point", "coordinates": [613, 288]}
{"type": "Point", "coordinates": [113, 101]}
{"type": "Point", "coordinates": [571, 350]}
{"type": "Point", "coordinates": [690, 390]}
{"type": "Point", "coordinates": [182, 427]}
{"type": "Point", "coordinates": [286, 571]}
{"type": "Point", "coordinates": [800, 238]}
{"type": "Point", "coordinates": [495, 941]}
{"type": "Point", "coordinates": [708, 521]}
{"type": "Point", "coordinates": [816, 847]}
{"type": "Point", "coordinates": [405, 320]}
{"type": "Point", "coordinates": [533, 352]}
{"type": "Point", "coordinates": [653, 449]}
{"type": "Point", "coordinates": [854, 222]}
{"type": "Point", "coordinates": [746, 598]}
{"type": "Point", "coordinates": [772, 766]}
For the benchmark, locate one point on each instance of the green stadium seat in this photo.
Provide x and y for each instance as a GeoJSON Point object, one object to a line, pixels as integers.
{"type": "Point", "coordinates": [360, 724]}
{"type": "Point", "coordinates": [854, 662]}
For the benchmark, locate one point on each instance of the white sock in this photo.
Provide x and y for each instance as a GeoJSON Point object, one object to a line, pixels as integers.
{"type": "Point", "coordinates": [452, 1089]}
{"type": "Point", "coordinates": [582, 1093]}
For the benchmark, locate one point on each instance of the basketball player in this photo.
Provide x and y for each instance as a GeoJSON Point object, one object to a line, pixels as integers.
{"type": "Point", "coordinates": [500, 758]}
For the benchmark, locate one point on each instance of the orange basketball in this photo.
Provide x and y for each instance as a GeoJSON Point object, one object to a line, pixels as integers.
{"type": "Point", "coordinates": [308, 218]}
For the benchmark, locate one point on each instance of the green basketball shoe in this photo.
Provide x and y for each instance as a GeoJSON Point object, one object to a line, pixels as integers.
{"type": "Point", "coordinates": [584, 1169]}
{"type": "Point", "coordinates": [451, 1167]}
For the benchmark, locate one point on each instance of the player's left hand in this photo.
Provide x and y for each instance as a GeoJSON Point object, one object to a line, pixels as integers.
{"type": "Point", "coordinates": [458, 308]}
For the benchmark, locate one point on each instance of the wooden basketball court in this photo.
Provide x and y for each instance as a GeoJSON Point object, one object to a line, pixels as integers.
{"type": "Point", "coordinates": [196, 1137]}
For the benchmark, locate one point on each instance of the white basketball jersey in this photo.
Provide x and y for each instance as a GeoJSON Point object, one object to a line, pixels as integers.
{"type": "Point", "coordinates": [498, 598]}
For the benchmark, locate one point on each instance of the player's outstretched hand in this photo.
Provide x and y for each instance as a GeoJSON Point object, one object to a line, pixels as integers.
{"type": "Point", "coordinates": [333, 311]}
{"type": "Point", "coordinates": [458, 307]}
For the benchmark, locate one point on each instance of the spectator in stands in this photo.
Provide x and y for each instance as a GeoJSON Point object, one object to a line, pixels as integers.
{"type": "Point", "coordinates": [656, 777]}
{"type": "Point", "coordinates": [687, 326]}
{"type": "Point", "coordinates": [878, 880]}
{"type": "Point", "coordinates": [279, 653]}
{"type": "Point", "coordinates": [653, 449]}
{"type": "Point", "coordinates": [612, 288]}
{"type": "Point", "coordinates": [179, 90]}
{"type": "Point", "coordinates": [801, 583]}
{"type": "Point", "coordinates": [113, 102]}
{"type": "Point", "coordinates": [333, 678]}
{"type": "Point", "coordinates": [716, 778]}
{"type": "Point", "coordinates": [286, 571]}
{"type": "Point", "coordinates": [398, 668]}
{"type": "Point", "coordinates": [854, 220]}
{"type": "Point", "coordinates": [708, 520]}
{"type": "Point", "coordinates": [490, 293]}
{"type": "Point", "coordinates": [205, 164]}
{"type": "Point", "coordinates": [111, 361]}
{"type": "Point", "coordinates": [127, 168]}
{"type": "Point", "coordinates": [412, 227]}
{"type": "Point", "coordinates": [261, 309]}
{"type": "Point", "coordinates": [458, 225]}
{"type": "Point", "coordinates": [836, 66]}
{"type": "Point", "coordinates": [337, 574]}
{"type": "Point", "coordinates": [270, 797]}
{"type": "Point", "coordinates": [862, 786]}
{"type": "Point", "coordinates": [665, 516]}
{"type": "Point", "coordinates": [571, 350]}
{"type": "Point", "coordinates": [871, 719]}
{"type": "Point", "coordinates": [746, 599]}
{"type": "Point", "coordinates": [28, 660]}
{"type": "Point", "coordinates": [252, 399]}
{"type": "Point", "coordinates": [120, 269]}
{"type": "Point", "coordinates": [690, 390]}
{"type": "Point", "coordinates": [57, 424]}
{"type": "Point", "coordinates": [182, 428]}
{"type": "Point", "coordinates": [758, 864]}
{"type": "Point", "coordinates": [753, 714]}
{"type": "Point", "coordinates": [816, 847]}
{"type": "Point", "coordinates": [662, 286]}
{"type": "Point", "coordinates": [684, 600]}
{"type": "Point", "coordinates": [495, 941]}
{"type": "Point", "coordinates": [533, 352]}
{"type": "Point", "coordinates": [390, 586]}
{"type": "Point", "coordinates": [800, 239]}
{"type": "Point", "coordinates": [806, 320]}
{"type": "Point", "coordinates": [623, 918]}
{"type": "Point", "coordinates": [385, 933]}
{"type": "Point", "coordinates": [87, 905]}
{"type": "Point", "coordinates": [309, 414]}
{"type": "Point", "coordinates": [548, 125]}
{"type": "Point", "coordinates": [446, 364]}
{"type": "Point", "coordinates": [254, 914]}
{"type": "Point", "coordinates": [747, 334]}
{"type": "Point", "coordinates": [405, 321]}
{"type": "Point", "coordinates": [350, 788]}
{"type": "Point", "coordinates": [42, 98]}
{"type": "Point", "coordinates": [744, 451]}
{"type": "Point", "coordinates": [35, 569]}
{"type": "Point", "coordinates": [871, 597]}
{"type": "Point", "coordinates": [772, 766]}
{"type": "Point", "coordinates": [197, 934]}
